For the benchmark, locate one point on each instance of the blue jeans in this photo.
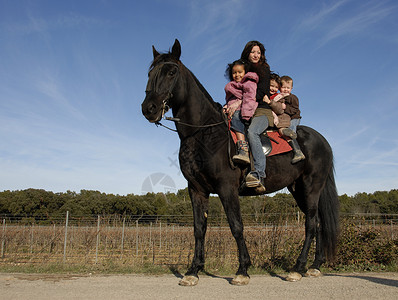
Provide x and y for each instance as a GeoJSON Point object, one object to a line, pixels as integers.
{"type": "Point", "coordinates": [256, 128]}
{"type": "Point", "coordinates": [236, 122]}
{"type": "Point", "coordinates": [294, 123]}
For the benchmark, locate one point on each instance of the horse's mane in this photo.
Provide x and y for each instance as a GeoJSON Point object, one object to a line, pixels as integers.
{"type": "Point", "coordinates": [216, 105]}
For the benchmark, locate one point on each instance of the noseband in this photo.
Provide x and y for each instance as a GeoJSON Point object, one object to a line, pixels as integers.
{"type": "Point", "coordinates": [151, 86]}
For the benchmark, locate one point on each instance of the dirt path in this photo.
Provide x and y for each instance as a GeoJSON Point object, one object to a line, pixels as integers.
{"type": "Point", "coordinates": [342, 286]}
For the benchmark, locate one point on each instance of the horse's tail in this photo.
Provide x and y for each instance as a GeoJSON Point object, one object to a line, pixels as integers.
{"type": "Point", "coordinates": [329, 213]}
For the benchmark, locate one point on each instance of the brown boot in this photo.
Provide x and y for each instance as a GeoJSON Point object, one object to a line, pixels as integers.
{"type": "Point", "coordinates": [253, 180]}
{"type": "Point", "coordinates": [298, 154]}
{"type": "Point", "coordinates": [242, 158]}
{"type": "Point", "coordinates": [288, 132]}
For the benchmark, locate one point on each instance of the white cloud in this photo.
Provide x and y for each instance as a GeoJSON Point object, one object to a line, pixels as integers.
{"type": "Point", "coordinates": [364, 19]}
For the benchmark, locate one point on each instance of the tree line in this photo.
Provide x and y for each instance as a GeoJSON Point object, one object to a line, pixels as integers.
{"type": "Point", "coordinates": [38, 203]}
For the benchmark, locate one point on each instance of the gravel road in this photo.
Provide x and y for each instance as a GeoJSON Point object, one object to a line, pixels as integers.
{"type": "Point", "coordinates": [331, 286]}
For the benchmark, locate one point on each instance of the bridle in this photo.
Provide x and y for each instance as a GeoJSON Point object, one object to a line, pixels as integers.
{"type": "Point", "coordinates": [151, 85]}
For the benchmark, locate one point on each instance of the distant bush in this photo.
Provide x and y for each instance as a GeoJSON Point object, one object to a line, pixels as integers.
{"type": "Point", "coordinates": [365, 249]}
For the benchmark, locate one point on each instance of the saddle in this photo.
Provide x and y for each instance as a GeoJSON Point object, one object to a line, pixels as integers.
{"type": "Point", "coordinates": [273, 142]}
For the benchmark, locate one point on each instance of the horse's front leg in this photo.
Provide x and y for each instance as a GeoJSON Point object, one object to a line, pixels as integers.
{"type": "Point", "coordinates": [230, 201]}
{"type": "Point", "coordinates": [200, 203]}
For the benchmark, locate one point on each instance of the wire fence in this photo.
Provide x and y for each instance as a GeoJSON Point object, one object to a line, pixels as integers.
{"type": "Point", "coordinates": [156, 240]}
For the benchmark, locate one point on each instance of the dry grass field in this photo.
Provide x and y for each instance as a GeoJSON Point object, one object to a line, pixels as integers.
{"type": "Point", "coordinates": [119, 243]}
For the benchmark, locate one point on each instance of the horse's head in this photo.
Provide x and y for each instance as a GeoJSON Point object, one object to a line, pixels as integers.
{"type": "Point", "coordinates": [162, 81]}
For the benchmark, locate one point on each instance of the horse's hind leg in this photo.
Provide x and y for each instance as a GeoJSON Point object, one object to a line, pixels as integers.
{"type": "Point", "coordinates": [309, 204]}
{"type": "Point", "coordinates": [200, 203]}
{"type": "Point", "coordinates": [314, 269]}
{"type": "Point", "coordinates": [230, 201]}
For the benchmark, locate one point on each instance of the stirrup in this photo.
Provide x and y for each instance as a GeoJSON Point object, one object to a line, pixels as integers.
{"type": "Point", "coordinates": [241, 159]}
{"type": "Point", "coordinates": [252, 181]}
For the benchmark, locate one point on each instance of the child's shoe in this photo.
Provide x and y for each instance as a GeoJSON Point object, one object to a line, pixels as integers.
{"type": "Point", "coordinates": [242, 158]}
{"type": "Point", "coordinates": [288, 132]}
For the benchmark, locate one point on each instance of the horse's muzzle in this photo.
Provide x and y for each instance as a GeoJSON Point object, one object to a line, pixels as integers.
{"type": "Point", "coordinates": [151, 110]}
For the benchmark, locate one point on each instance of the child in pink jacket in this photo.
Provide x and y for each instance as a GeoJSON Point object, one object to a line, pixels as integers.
{"type": "Point", "coordinates": [240, 94]}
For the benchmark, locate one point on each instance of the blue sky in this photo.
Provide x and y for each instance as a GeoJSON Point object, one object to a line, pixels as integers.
{"type": "Point", "coordinates": [73, 75]}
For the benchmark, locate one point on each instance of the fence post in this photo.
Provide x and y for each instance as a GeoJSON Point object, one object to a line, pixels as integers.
{"type": "Point", "coordinates": [3, 238]}
{"type": "Point", "coordinates": [66, 234]}
{"type": "Point", "coordinates": [124, 222]}
{"type": "Point", "coordinates": [153, 252]}
{"type": "Point", "coordinates": [31, 238]}
{"type": "Point", "coordinates": [96, 247]}
{"type": "Point", "coordinates": [392, 231]}
{"type": "Point", "coordinates": [160, 235]}
{"type": "Point", "coordinates": [150, 233]}
{"type": "Point", "coordinates": [136, 237]}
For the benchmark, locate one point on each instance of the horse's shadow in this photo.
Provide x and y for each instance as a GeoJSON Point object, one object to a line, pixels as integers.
{"type": "Point", "coordinates": [178, 274]}
{"type": "Point", "coordinates": [173, 269]}
{"type": "Point", "coordinates": [371, 278]}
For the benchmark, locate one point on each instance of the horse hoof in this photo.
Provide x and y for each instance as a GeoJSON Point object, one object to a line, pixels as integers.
{"type": "Point", "coordinates": [189, 281]}
{"type": "Point", "coordinates": [313, 273]}
{"type": "Point", "coordinates": [240, 280]}
{"type": "Point", "coordinates": [293, 276]}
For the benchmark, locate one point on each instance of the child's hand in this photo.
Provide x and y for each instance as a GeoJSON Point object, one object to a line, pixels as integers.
{"type": "Point", "coordinates": [266, 99]}
{"type": "Point", "coordinates": [278, 97]}
{"type": "Point", "coordinates": [230, 110]}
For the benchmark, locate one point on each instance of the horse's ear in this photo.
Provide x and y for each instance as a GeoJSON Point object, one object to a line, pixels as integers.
{"type": "Point", "coordinates": [155, 53]}
{"type": "Point", "coordinates": [176, 50]}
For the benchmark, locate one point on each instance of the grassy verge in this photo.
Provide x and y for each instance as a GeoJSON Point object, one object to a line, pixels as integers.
{"type": "Point", "coordinates": [150, 269]}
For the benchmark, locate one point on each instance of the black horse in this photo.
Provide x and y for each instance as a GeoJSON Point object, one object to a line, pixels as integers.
{"type": "Point", "coordinates": [205, 161]}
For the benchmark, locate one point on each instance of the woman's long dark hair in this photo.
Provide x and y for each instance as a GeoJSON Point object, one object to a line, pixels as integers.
{"type": "Point", "coordinates": [248, 48]}
{"type": "Point", "coordinates": [262, 68]}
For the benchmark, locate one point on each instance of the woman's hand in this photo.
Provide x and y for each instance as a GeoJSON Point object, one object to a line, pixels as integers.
{"type": "Point", "coordinates": [266, 99]}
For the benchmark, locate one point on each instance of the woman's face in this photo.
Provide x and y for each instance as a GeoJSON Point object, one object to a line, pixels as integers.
{"type": "Point", "coordinates": [255, 54]}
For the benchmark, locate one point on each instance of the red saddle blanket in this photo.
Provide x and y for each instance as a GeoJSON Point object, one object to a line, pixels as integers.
{"type": "Point", "coordinates": [278, 142]}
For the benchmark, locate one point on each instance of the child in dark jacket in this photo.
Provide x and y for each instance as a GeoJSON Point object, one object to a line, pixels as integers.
{"type": "Point", "coordinates": [292, 109]}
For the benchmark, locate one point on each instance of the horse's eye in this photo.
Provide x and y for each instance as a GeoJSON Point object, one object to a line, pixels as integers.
{"type": "Point", "coordinates": [172, 73]}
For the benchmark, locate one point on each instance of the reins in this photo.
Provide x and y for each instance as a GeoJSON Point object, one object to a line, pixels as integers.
{"type": "Point", "coordinates": [152, 86]}
{"type": "Point", "coordinates": [225, 121]}
{"type": "Point", "coordinates": [177, 120]}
